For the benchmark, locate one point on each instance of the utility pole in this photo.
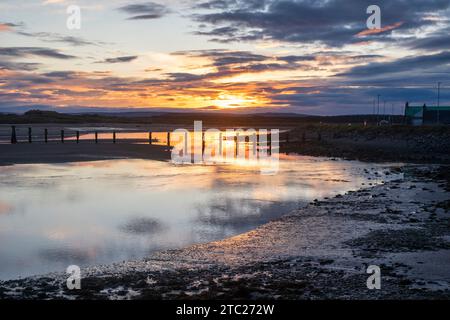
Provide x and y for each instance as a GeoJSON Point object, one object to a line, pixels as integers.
{"type": "Point", "coordinates": [439, 102]}
{"type": "Point", "coordinates": [392, 114]}
{"type": "Point", "coordinates": [378, 109]}
{"type": "Point", "coordinates": [373, 113]}
{"type": "Point", "coordinates": [384, 110]}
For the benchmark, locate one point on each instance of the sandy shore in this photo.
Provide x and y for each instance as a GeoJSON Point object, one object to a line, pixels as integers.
{"type": "Point", "coordinates": [317, 252]}
{"type": "Point", "coordinates": [72, 152]}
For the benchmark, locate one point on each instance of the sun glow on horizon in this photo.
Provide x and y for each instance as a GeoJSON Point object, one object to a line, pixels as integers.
{"type": "Point", "coordinates": [233, 101]}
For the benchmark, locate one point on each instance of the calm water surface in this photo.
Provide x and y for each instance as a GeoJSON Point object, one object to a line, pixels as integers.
{"type": "Point", "coordinates": [52, 216]}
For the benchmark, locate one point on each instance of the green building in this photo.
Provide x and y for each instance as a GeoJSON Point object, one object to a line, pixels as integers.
{"type": "Point", "coordinates": [422, 115]}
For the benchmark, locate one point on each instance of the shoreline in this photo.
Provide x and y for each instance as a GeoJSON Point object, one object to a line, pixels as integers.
{"type": "Point", "coordinates": [317, 252]}
{"type": "Point", "coordinates": [368, 144]}
{"type": "Point", "coordinates": [373, 144]}
{"type": "Point", "coordinates": [24, 153]}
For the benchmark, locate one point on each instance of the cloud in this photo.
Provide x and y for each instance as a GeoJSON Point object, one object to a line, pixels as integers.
{"type": "Point", "coordinates": [4, 27]}
{"type": "Point", "coordinates": [119, 59]}
{"type": "Point", "coordinates": [231, 63]}
{"type": "Point", "coordinates": [381, 30]}
{"type": "Point", "coordinates": [54, 37]}
{"type": "Point", "coordinates": [439, 40]}
{"type": "Point", "coordinates": [222, 57]}
{"type": "Point", "coordinates": [145, 11]}
{"type": "Point", "coordinates": [8, 26]}
{"type": "Point", "coordinates": [46, 2]}
{"type": "Point", "coordinates": [33, 51]}
{"type": "Point", "coordinates": [408, 64]}
{"type": "Point", "coordinates": [334, 22]}
{"type": "Point", "coordinates": [24, 66]}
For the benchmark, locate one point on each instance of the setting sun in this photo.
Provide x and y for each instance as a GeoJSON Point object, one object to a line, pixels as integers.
{"type": "Point", "coordinates": [226, 101]}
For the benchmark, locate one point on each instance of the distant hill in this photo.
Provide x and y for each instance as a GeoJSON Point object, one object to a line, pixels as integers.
{"type": "Point", "coordinates": [174, 118]}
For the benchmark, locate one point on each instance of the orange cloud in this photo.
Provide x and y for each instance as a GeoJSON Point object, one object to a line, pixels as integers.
{"type": "Point", "coordinates": [4, 27]}
{"type": "Point", "coordinates": [381, 30]}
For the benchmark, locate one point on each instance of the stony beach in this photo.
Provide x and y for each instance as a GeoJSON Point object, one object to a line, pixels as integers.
{"type": "Point", "coordinates": [321, 251]}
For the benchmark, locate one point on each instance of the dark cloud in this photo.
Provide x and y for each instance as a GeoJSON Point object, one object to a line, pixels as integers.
{"type": "Point", "coordinates": [223, 58]}
{"type": "Point", "coordinates": [61, 74]}
{"type": "Point", "coordinates": [54, 37]}
{"type": "Point", "coordinates": [334, 22]}
{"type": "Point", "coordinates": [9, 26]}
{"type": "Point", "coordinates": [12, 25]}
{"type": "Point", "coordinates": [184, 77]}
{"type": "Point", "coordinates": [51, 36]}
{"type": "Point", "coordinates": [24, 66]}
{"type": "Point", "coordinates": [231, 63]}
{"type": "Point", "coordinates": [333, 99]}
{"type": "Point", "coordinates": [21, 52]}
{"type": "Point", "coordinates": [294, 58]}
{"type": "Point", "coordinates": [119, 59]}
{"type": "Point", "coordinates": [408, 64]}
{"type": "Point", "coordinates": [437, 41]}
{"type": "Point", "coordinates": [145, 11]}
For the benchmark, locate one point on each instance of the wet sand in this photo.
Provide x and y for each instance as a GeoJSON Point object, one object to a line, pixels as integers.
{"type": "Point", "coordinates": [318, 252]}
{"type": "Point", "coordinates": [73, 152]}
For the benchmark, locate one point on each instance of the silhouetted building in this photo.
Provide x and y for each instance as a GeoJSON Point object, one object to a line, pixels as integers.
{"type": "Point", "coordinates": [418, 116]}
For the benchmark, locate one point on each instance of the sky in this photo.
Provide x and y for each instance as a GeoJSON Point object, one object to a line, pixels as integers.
{"type": "Point", "coordinates": [303, 56]}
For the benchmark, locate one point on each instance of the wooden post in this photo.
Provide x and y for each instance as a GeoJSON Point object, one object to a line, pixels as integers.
{"type": "Point", "coordinates": [236, 143]}
{"type": "Point", "coordinates": [62, 136]}
{"type": "Point", "coordinates": [255, 143]}
{"type": "Point", "coordinates": [303, 137]}
{"type": "Point", "coordinates": [287, 137]}
{"type": "Point", "coordinates": [78, 136]}
{"type": "Point", "coordinates": [150, 138]}
{"type": "Point", "coordinates": [168, 139]}
{"type": "Point", "coordinates": [220, 144]}
{"type": "Point", "coordinates": [96, 137]}
{"type": "Point", "coordinates": [247, 147]}
{"type": "Point", "coordinates": [186, 144]}
{"type": "Point", "coordinates": [30, 138]}
{"type": "Point", "coordinates": [114, 137]}
{"type": "Point", "coordinates": [13, 135]}
{"type": "Point", "coordinates": [203, 143]}
{"type": "Point", "coordinates": [46, 135]}
{"type": "Point", "coordinates": [269, 142]}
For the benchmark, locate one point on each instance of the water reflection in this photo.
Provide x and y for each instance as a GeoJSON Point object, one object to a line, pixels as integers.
{"type": "Point", "coordinates": [5, 208]}
{"type": "Point", "coordinates": [230, 216]}
{"type": "Point", "coordinates": [64, 255]}
{"type": "Point", "coordinates": [101, 212]}
{"type": "Point", "coordinates": [142, 225]}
